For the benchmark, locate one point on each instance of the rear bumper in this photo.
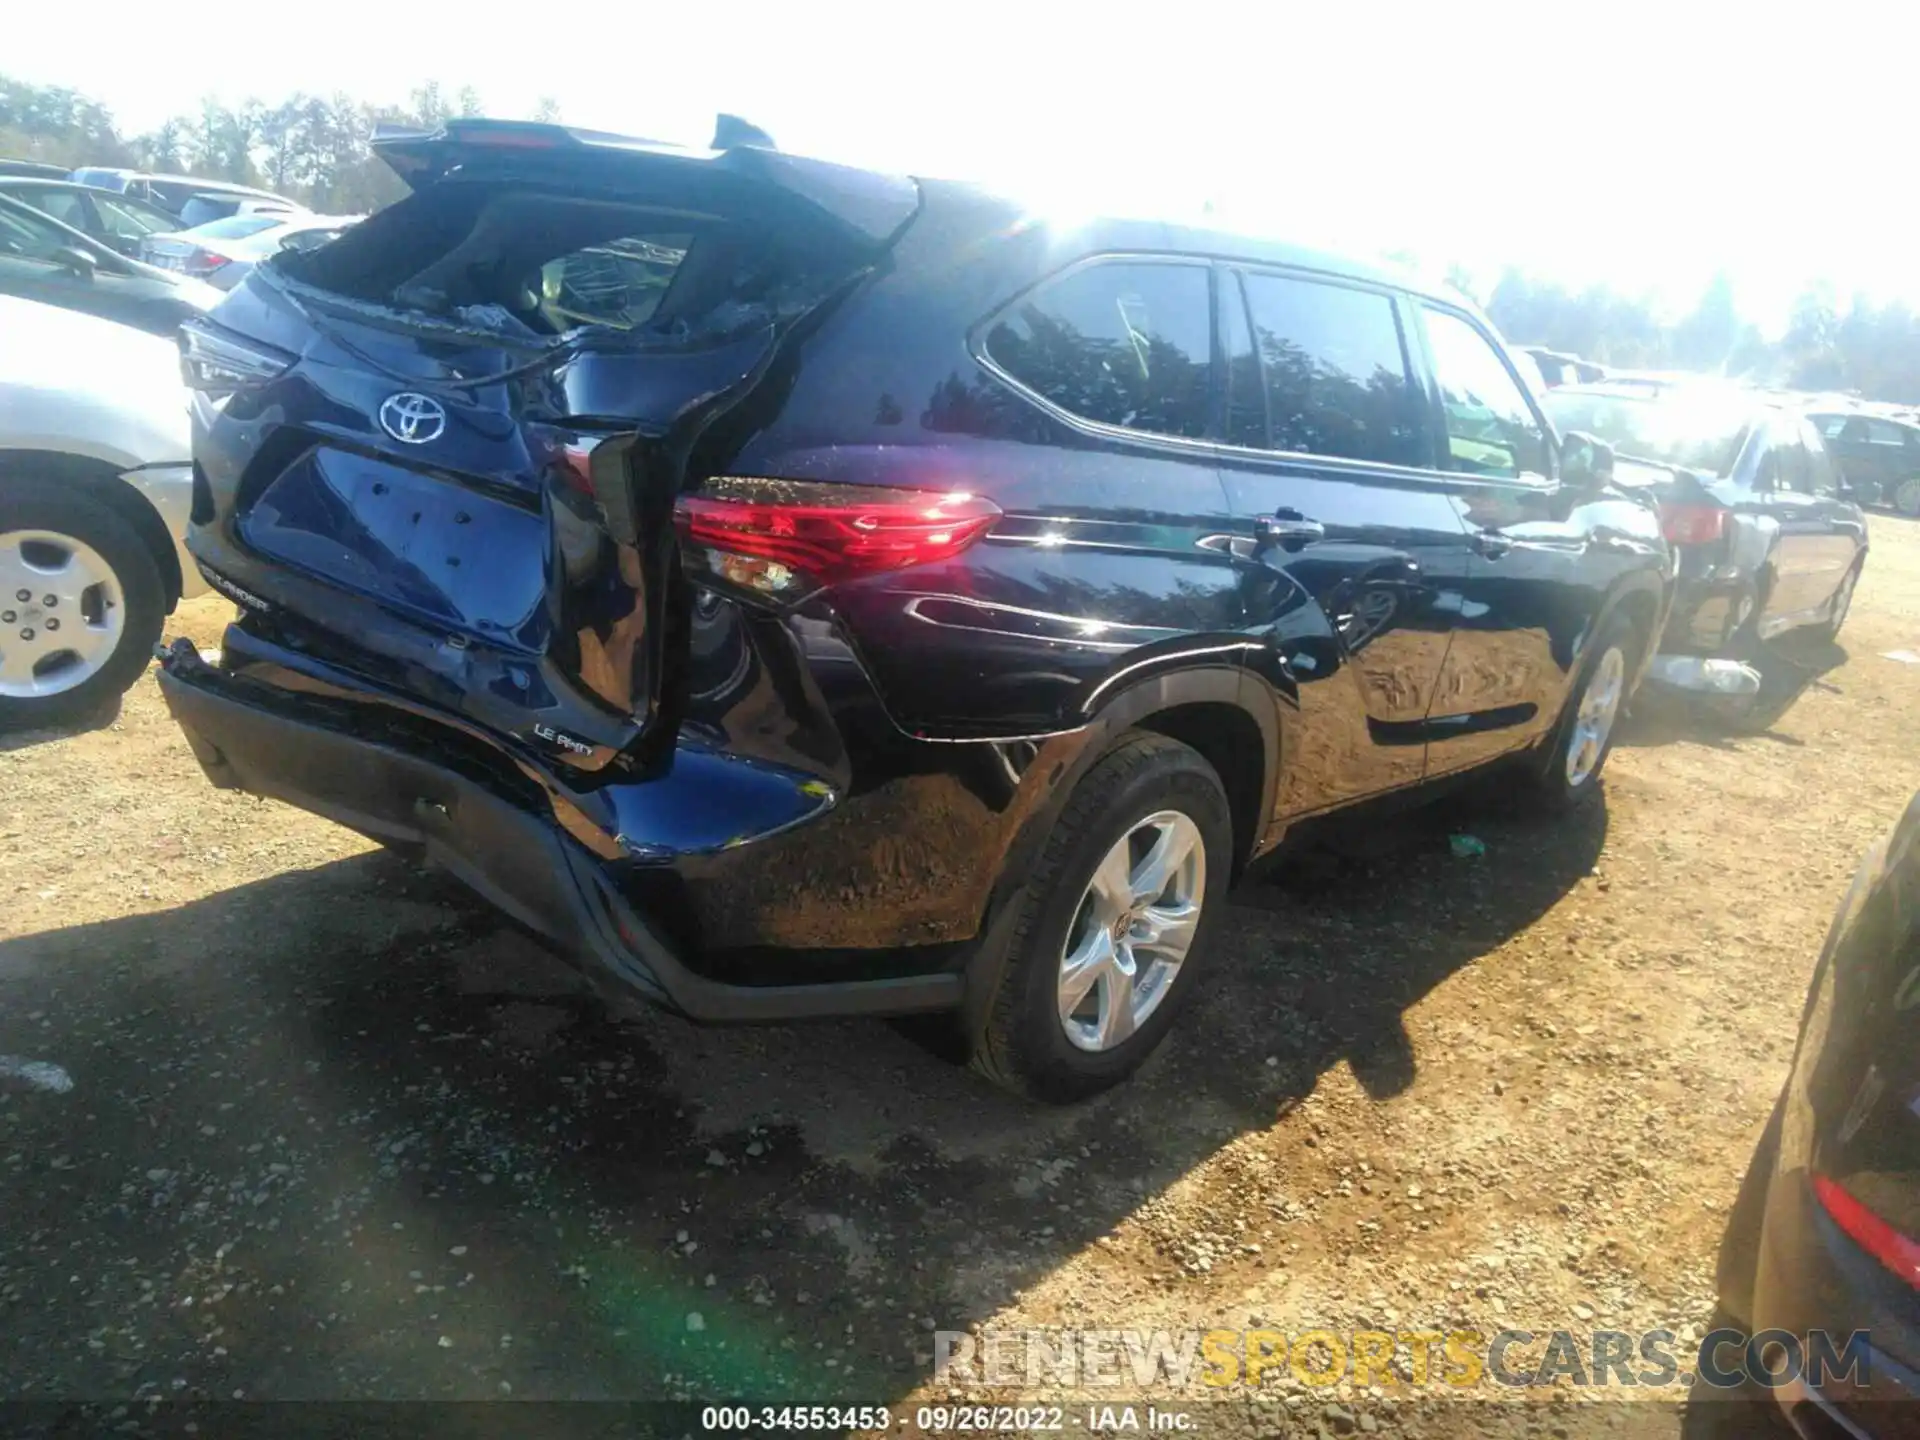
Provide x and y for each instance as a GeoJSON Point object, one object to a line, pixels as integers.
{"type": "Point", "coordinates": [475, 827]}
{"type": "Point", "coordinates": [1812, 1282]}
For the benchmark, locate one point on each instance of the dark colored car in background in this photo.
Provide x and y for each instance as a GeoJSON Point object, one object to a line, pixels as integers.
{"type": "Point", "coordinates": [1767, 540]}
{"type": "Point", "coordinates": [1878, 455]}
{"type": "Point", "coordinates": [1826, 1234]}
{"type": "Point", "coordinates": [119, 222]}
{"type": "Point", "coordinates": [41, 259]}
{"type": "Point", "coordinates": [806, 591]}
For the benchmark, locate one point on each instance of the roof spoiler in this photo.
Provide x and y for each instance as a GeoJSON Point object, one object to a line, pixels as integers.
{"type": "Point", "coordinates": [872, 206]}
{"type": "Point", "coordinates": [730, 131]}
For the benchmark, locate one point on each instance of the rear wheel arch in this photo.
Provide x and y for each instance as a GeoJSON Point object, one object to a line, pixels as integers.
{"type": "Point", "coordinates": [1205, 709]}
{"type": "Point", "coordinates": [99, 480]}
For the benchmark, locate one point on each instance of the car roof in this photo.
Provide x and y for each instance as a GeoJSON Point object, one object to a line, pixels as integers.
{"type": "Point", "coordinates": [36, 182]}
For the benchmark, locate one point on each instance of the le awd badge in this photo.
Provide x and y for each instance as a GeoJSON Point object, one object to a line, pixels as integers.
{"type": "Point", "coordinates": [562, 739]}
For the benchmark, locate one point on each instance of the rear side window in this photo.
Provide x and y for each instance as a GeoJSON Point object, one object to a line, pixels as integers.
{"type": "Point", "coordinates": [1881, 433]}
{"type": "Point", "coordinates": [1491, 429]}
{"type": "Point", "coordinates": [1334, 372]}
{"type": "Point", "coordinates": [1122, 343]}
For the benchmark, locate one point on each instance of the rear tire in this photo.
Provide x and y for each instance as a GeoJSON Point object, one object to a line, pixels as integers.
{"type": "Point", "coordinates": [1568, 771]}
{"type": "Point", "coordinates": [1150, 810]}
{"type": "Point", "coordinates": [1906, 499]}
{"type": "Point", "coordinates": [109, 601]}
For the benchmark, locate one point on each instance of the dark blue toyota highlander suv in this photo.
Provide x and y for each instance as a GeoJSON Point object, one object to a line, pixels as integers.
{"type": "Point", "coordinates": [802, 591]}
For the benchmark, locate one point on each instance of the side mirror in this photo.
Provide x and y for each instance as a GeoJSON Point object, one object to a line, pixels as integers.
{"type": "Point", "coordinates": [80, 262]}
{"type": "Point", "coordinates": [1586, 461]}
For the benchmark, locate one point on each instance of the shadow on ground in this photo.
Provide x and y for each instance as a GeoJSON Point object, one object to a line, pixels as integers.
{"type": "Point", "coordinates": [340, 1134]}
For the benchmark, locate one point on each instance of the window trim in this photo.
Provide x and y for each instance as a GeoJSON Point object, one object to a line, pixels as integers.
{"type": "Point", "coordinates": [1420, 304]}
{"type": "Point", "coordinates": [1207, 444]}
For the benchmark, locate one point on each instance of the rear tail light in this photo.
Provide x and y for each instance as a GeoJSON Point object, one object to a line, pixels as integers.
{"type": "Point", "coordinates": [1899, 1253]}
{"type": "Point", "coordinates": [204, 262]}
{"type": "Point", "coordinates": [218, 362]}
{"type": "Point", "coordinates": [1693, 524]}
{"type": "Point", "coordinates": [785, 538]}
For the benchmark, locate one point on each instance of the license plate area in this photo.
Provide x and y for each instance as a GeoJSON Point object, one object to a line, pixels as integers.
{"type": "Point", "coordinates": [422, 544]}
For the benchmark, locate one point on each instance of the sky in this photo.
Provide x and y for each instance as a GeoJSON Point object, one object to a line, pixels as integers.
{"type": "Point", "coordinates": [1643, 145]}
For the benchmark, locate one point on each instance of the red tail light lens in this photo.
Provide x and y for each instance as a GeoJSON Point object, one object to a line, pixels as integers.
{"type": "Point", "coordinates": [1693, 524]}
{"type": "Point", "coordinates": [204, 262]}
{"type": "Point", "coordinates": [784, 538]}
{"type": "Point", "coordinates": [1899, 1253]}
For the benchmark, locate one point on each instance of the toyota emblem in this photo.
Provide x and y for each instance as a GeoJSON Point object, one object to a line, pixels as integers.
{"type": "Point", "coordinates": [413, 419]}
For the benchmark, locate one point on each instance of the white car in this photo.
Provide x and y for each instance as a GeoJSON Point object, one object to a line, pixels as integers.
{"type": "Point", "coordinates": [96, 482]}
{"type": "Point", "coordinates": [221, 252]}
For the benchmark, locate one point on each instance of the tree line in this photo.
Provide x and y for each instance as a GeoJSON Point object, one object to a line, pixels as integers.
{"type": "Point", "coordinates": [1867, 349]}
{"type": "Point", "coordinates": [313, 148]}
{"type": "Point", "coordinates": [310, 148]}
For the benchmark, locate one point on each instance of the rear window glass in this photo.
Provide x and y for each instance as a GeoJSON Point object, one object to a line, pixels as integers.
{"type": "Point", "coordinates": [1121, 343]}
{"type": "Point", "coordinates": [238, 227]}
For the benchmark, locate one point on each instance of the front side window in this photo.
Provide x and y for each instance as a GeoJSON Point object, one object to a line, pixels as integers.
{"type": "Point", "coordinates": [1334, 370]}
{"type": "Point", "coordinates": [1491, 430]}
{"type": "Point", "coordinates": [1125, 343]}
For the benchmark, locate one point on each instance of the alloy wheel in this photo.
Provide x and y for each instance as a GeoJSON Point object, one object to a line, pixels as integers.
{"type": "Point", "coordinates": [1132, 930]}
{"type": "Point", "coordinates": [61, 613]}
{"type": "Point", "coordinates": [1593, 721]}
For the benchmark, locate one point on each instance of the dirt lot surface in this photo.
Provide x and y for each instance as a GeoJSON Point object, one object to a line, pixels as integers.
{"type": "Point", "coordinates": [335, 1132]}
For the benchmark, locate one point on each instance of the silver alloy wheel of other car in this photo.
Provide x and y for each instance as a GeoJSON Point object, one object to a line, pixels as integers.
{"type": "Point", "coordinates": [1907, 498]}
{"type": "Point", "coordinates": [1132, 930]}
{"type": "Point", "coordinates": [61, 613]}
{"type": "Point", "coordinates": [1593, 722]}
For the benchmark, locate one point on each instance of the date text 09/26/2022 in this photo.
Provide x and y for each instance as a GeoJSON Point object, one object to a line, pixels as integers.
{"type": "Point", "coordinates": [942, 1419]}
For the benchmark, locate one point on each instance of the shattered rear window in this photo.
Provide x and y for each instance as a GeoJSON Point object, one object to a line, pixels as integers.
{"type": "Point", "coordinates": [619, 282]}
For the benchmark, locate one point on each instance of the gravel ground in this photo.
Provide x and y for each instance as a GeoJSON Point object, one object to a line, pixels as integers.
{"type": "Point", "coordinates": [333, 1132]}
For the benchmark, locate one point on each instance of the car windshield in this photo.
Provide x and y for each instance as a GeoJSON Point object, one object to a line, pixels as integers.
{"type": "Point", "coordinates": [1699, 428]}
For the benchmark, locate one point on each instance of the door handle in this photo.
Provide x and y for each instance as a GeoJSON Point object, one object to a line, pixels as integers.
{"type": "Point", "coordinates": [1491, 544]}
{"type": "Point", "coordinates": [1291, 530]}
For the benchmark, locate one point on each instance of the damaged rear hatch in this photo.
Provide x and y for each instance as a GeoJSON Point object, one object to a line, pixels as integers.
{"type": "Point", "coordinates": [440, 454]}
